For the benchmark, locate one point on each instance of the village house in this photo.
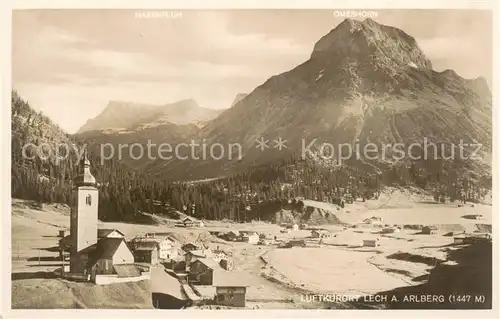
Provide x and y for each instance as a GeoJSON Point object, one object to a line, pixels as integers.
{"type": "Point", "coordinates": [247, 232]}
{"type": "Point", "coordinates": [216, 233]}
{"type": "Point", "coordinates": [166, 235]}
{"type": "Point", "coordinates": [251, 238]}
{"type": "Point", "coordinates": [190, 222]}
{"type": "Point", "coordinates": [320, 233]}
{"type": "Point", "coordinates": [230, 289]}
{"type": "Point", "coordinates": [348, 199]}
{"type": "Point", "coordinates": [146, 252]}
{"type": "Point", "coordinates": [219, 254]}
{"type": "Point", "coordinates": [264, 242]}
{"type": "Point", "coordinates": [227, 264]}
{"type": "Point", "coordinates": [262, 236]}
{"type": "Point", "coordinates": [223, 258]}
{"type": "Point", "coordinates": [389, 230]}
{"type": "Point", "coordinates": [168, 248]}
{"type": "Point", "coordinates": [477, 237]}
{"type": "Point", "coordinates": [199, 223]}
{"type": "Point", "coordinates": [454, 233]}
{"type": "Point", "coordinates": [373, 220]}
{"type": "Point", "coordinates": [177, 265]}
{"type": "Point", "coordinates": [232, 235]}
{"type": "Point", "coordinates": [193, 255]}
{"type": "Point", "coordinates": [291, 226]}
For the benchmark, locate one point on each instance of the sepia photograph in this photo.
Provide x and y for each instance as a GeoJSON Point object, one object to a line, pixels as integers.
{"type": "Point", "coordinates": [254, 159]}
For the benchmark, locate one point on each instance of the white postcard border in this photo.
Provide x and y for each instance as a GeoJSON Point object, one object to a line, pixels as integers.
{"type": "Point", "coordinates": [5, 238]}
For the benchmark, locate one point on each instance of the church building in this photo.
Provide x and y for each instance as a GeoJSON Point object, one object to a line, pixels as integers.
{"type": "Point", "coordinates": [84, 209]}
{"type": "Point", "coordinates": [94, 251]}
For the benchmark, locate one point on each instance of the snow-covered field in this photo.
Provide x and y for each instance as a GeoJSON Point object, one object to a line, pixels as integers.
{"type": "Point", "coordinates": [332, 270]}
{"type": "Point", "coordinates": [281, 276]}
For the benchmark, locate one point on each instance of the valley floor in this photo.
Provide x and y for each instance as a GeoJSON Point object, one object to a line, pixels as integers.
{"type": "Point", "coordinates": [403, 263]}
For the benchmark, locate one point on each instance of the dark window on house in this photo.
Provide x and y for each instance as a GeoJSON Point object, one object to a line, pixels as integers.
{"type": "Point", "coordinates": [88, 200]}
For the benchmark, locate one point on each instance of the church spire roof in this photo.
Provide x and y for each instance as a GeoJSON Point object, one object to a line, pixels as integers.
{"type": "Point", "coordinates": [85, 177]}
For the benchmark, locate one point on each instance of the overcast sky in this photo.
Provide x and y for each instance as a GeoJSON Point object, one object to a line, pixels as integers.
{"type": "Point", "coordinates": [70, 63]}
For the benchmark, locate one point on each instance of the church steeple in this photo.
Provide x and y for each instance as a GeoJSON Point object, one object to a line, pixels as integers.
{"type": "Point", "coordinates": [85, 177]}
{"type": "Point", "coordinates": [84, 215]}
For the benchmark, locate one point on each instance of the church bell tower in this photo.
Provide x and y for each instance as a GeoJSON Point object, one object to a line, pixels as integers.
{"type": "Point", "coordinates": [84, 209]}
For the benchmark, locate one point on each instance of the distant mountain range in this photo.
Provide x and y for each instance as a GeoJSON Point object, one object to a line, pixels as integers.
{"type": "Point", "coordinates": [363, 83]}
{"type": "Point", "coordinates": [125, 123]}
{"type": "Point", "coordinates": [123, 116]}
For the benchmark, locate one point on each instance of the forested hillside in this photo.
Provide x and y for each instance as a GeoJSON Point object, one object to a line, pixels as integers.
{"type": "Point", "coordinates": [125, 193]}
{"type": "Point", "coordinates": [47, 178]}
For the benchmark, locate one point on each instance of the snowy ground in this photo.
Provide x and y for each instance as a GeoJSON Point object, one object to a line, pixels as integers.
{"type": "Point", "coordinates": [280, 277]}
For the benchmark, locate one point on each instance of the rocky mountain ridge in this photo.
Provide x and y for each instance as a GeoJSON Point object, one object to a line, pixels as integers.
{"type": "Point", "coordinates": [364, 83]}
